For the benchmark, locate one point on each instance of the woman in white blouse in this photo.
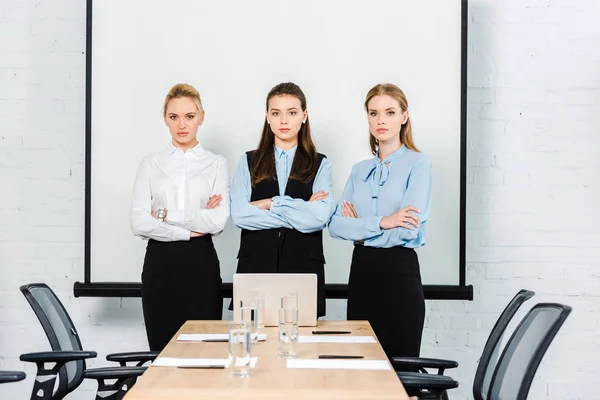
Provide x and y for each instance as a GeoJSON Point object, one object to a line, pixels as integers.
{"type": "Point", "coordinates": [180, 199]}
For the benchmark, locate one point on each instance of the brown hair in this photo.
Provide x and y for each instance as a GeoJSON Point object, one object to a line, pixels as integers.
{"type": "Point", "coordinates": [406, 129]}
{"type": "Point", "coordinates": [182, 90]}
{"type": "Point", "coordinates": [304, 167]}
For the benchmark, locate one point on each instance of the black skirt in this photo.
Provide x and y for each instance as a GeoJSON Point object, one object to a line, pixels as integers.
{"type": "Point", "coordinates": [385, 289]}
{"type": "Point", "coordinates": [180, 281]}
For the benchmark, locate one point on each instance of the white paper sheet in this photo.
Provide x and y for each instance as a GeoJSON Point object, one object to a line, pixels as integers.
{"type": "Point", "coordinates": [195, 362]}
{"type": "Point", "coordinates": [188, 362]}
{"type": "Point", "coordinates": [338, 364]}
{"type": "Point", "coordinates": [336, 339]}
{"type": "Point", "coordinates": [199, 337]}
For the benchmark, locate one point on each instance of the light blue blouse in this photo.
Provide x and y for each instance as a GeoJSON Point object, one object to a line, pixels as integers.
{"type": "Point", "coordinates": [286, 212]}
{"type": "Point", "coordinates": [377, 189]}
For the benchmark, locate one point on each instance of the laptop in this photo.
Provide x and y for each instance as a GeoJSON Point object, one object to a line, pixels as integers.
{"type": "Point", "coordinates": [274, 286]}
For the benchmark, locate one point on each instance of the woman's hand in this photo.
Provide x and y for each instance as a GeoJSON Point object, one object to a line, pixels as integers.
{"type": "Point", "coordinates": [264, 204]}
{"type": "Point", "coordinates": [401, 218]}
{"type": "Point", "coordinates": [318, 196]}
{"type": "Point", "coordinates": [214, 201]}
{"type": "Point", "coordinates": [348, 210]}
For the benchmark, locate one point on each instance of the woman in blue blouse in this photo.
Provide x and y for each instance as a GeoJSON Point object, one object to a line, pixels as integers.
{"type": "Point", "coordinates": [384, 211]}
{"type": "Point", "coordinates": [281, 194]}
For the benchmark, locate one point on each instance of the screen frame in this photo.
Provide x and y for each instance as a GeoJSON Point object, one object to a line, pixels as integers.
{"type": "Point", "coordinates": [87, 288]}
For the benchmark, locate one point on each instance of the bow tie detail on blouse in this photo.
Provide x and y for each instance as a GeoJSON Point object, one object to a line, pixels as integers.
{"type": "Point", "coordinates": [380, 172]}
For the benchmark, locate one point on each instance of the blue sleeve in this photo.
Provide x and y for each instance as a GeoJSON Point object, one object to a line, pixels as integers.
{"type": "Point", "coordinates": [308, 216]}
{"type": "Point", "coordinates": [418, 194]}
{"type": "Point", "coordinates": [354, 229]}
{"type": "Point", "coordinates": [244, 214]}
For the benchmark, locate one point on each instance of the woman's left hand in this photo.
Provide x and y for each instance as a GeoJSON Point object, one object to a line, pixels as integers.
{"type": "Point", "coordinates": [348, 210]}
{"type": "Point", "coordinates": [264, 204]}
{"type": "Point", "coordinates": [214, 201]}
{"type": "Point", "coordinates": [318, 196]}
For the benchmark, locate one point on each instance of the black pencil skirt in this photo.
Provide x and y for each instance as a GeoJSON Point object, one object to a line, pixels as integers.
{"type": "Point", "coordinates": [180, 281]}
{"type": "Point", "coordinates": [385, 289]}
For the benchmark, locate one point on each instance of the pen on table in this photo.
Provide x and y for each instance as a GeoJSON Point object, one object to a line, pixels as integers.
{"type": "Point", "coordinates": [215, 340]}
{"type": "Point", "coordinates": [332, 356]}
{"type": "Point", "coordinates": [201, 366]}
{"type": "Point", "coordinates": [331, 332]}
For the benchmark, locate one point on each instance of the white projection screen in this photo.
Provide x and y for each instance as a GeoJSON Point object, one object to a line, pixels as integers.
{"type": "Point", "coordinates": [233, 52]}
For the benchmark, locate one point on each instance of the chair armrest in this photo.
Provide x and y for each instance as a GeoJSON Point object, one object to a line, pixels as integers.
{"type": "Point", "coordinates": [140, 357]}
{"type": "Point", "coordinates": [46, 376]}
{"type": "Point", "coordinates": [429, 382]}
{"type": "Point", "coordinates": [11, 376]}
{"type": "Point", "coordinates": [57, 356]}
{"type": "Point", "coordinates": [113, 372]}
{"type": "Point", "coordinates": [422, 363]}
{"type": "Point", "coordinates": [121, 379]}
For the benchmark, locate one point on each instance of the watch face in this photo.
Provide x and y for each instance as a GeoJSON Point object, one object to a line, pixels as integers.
{"type": "Point", "coordinates": [161, 213]}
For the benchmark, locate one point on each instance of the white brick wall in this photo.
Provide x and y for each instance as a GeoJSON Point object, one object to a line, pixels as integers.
{"type": "Point", "coordinates": [533, 185]}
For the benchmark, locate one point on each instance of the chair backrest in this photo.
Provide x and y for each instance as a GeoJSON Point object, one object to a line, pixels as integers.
{"type": "Point", "coordinates": [524, 351]}
{"type": "Point", "coordinates": [491, 350]}
{"type": "Point", "coordinates": [59, 329]}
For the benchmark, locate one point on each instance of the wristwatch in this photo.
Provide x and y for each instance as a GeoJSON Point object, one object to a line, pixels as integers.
{"type": "Point", "coordinates": [161, 214]}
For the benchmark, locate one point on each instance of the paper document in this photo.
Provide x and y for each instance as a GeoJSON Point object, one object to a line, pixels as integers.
{"type": "Point", "coordinates": [199, 337]}
{"type": "Point", "coordinates": [338, 364]}
{"type": "Point", "coordinates": [336, 339]}
{"type": "Point", "coordinates": [191, 362]}
{"type": "Point", "coordinates": [188, 362]}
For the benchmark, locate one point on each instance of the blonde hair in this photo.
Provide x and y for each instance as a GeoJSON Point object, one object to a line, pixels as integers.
{"type": "Point", "coordinates": [395, 92]}
{"type": "Point", "coordinates": [183, 90]}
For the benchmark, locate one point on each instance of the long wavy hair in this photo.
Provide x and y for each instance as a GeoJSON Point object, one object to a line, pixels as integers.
{"type": "Point", "coordinates": [304, 167]}
{"type": "Point", "coordinates": [406, 130]}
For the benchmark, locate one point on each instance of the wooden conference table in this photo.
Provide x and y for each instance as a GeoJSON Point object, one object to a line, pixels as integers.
{"type": "Point", "coordinates": [270, 378]}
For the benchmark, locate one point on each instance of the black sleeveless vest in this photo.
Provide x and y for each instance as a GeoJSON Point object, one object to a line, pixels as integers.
{"type": "Point", "coordinates": [283, 250]}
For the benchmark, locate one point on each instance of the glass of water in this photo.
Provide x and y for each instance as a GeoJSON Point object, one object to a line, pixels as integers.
{"type": "Point", "coordinates": [289, 299]}
{"type": "Point", "coordinates": [249, 317]}
{"type": "Point", "coordinates": [288, 332]}
{"type": "Point", "coordinates": [239, 349]}
{"type": "Point", "coordinates": [257, 298]}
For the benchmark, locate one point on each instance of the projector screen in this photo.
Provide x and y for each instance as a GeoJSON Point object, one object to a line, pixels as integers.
{"type": "Point", "coordinates": [233, 52]}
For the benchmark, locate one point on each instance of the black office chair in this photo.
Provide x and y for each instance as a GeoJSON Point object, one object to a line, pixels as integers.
{"type": "Point", "coordinates": [11, 376]}
{"type": "Point", "coordinates": [525, 350]}
{"type": "Point", "coordinates": [512, 375]}
{"type": "Point", "coordinates": [425, 382]}
{"type": "Point", "coordinates": [69, 356]}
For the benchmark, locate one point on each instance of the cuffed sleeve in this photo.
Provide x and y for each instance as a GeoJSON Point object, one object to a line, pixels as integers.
{"type": "Point", "coordinates": [308, 216]}
{"type": "Point", "coordinates": [142, 222]}
{"type": "Point", "coordinates": [244, 214]}
{"type": "Point", "coordinates": [348, 228]}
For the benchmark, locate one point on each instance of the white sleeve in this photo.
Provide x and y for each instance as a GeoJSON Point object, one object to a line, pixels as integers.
{"type": "Point", "coordinates": [207, 220]}
{"type": "Point", "coordinates": [143, 224]}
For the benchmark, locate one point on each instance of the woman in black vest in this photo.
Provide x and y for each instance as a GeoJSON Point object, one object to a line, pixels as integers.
{"type": "Point", "coordinates": [281, 194]}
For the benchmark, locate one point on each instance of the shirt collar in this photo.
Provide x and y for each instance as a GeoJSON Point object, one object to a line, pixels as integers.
{"type": "Point", "coordinates": [197, 150]}
{"type": "Point", "coordinates": [392, 156]}
{"type": "Point", "coordinates": [290, 153]}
